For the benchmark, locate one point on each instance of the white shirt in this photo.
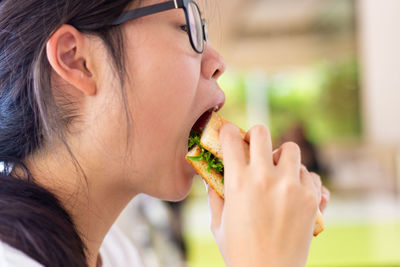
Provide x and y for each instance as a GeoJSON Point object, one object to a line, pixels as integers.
{"type": "Point", "coordinates": [10, 257]}
{"type": "Point", "coordinates": [116, 251]}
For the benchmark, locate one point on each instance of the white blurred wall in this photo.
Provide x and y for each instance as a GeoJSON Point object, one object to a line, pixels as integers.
{"type": "Point", "coordinates": [379, 25]}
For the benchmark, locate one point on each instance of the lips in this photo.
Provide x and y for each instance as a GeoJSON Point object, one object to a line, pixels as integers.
{"type": "Point", "coordinates": [215, 104]}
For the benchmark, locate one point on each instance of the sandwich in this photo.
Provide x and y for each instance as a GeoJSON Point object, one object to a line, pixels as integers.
{"type": "Point", "coordinates": [205, 156]}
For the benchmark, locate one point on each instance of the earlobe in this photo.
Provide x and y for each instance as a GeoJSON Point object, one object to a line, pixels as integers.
{"type": "Point", "coordinates": [67, 53]}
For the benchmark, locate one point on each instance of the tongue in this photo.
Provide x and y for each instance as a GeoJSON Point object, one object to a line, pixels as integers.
{"type": "Point", "coordinates": [201, 122]}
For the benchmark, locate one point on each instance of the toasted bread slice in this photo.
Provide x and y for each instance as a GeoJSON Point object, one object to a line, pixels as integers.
{"type": "Point", "coordinates": [319, 223]}
{"type": "Point", "coordinates": [210, 136]}
{"type": "Point", "coordinates": [212, 178]}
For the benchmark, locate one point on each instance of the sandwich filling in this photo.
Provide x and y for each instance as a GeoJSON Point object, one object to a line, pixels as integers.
{"type": "Point", "coordinates": [212, 162]}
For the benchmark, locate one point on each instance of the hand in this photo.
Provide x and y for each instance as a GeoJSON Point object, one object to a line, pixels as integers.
{"type": "Point", "coordinates": [325, 194]}
{"type": "Point", "coordinates": [268, 214]}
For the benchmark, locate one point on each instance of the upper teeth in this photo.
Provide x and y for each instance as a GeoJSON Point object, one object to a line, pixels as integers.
{"type": "Point", "coordinates": [216, 108]}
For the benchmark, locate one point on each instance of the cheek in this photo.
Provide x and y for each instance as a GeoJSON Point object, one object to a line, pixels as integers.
{"type": "Point", "coordinates": [164, 85]}
{"type": "Point", "coordinates": [161, 68]}
{"type": "Point", "coordinates": [165, 76]}
{"type": "Point", "coordinates": [162, 88]}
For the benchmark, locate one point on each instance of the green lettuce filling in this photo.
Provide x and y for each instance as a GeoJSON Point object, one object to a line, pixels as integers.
{"type": "Point", "coordinates": [212, 162]}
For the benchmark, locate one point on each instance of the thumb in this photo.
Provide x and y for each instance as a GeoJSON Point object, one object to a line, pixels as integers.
{"type": "Point", "coordinates": [216, 205]}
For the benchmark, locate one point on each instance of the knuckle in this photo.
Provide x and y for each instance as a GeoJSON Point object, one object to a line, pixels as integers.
{"type": "Point", "coordinates": [325, 192]}
{"type": "Point", "coordinates": [262, 176]}
{"type": "Point", "coordinates": [227, 132]}
{"type": "Point", "coordinates": [304, 168]}
{"type": "Point", "coordinates": [316, 178]}
{"type": "Point", "coordinates": [233, 186]}
{"type": "Point", "coordinates": [258, 171]}
{"type": "Point", "coordinates": [304, 172]}
{"type": "Point", "coordinates": [233, 183]}
{"type": "Point", "coordinates": [260, 180]}
{"type": "Point", "coordinates": [227, 138]}
{"type": "Point", "coordinates": [290, 188]}
{"type": "Point", "coordinates": [311, 200]}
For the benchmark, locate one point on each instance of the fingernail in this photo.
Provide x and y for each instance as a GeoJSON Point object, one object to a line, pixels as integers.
{"type": "Point", "coordinates": [206, 185]}
{"type": "Point", "coordinates": [325, 196]}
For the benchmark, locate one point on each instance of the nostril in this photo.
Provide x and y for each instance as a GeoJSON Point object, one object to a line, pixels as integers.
{"type": "Point", "coordinates": [213, 65]}
{"type": "Point", "coordinates": [217, 74]}
{"type": "Point", "coordinates": [220, 69]}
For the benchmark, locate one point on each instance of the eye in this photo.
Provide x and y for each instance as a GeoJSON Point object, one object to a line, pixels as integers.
{"type": "Point", "coordinates": [185, 28]}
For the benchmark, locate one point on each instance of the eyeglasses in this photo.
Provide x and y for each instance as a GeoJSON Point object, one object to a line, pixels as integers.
{"type": "Point", "coordinates": [197, 27]}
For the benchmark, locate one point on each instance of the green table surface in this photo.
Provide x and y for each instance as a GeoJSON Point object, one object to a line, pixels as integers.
{"type": "Point", "coordinates": [355, 245]}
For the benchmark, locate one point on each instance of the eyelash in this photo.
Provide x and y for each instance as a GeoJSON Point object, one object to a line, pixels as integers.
{"type": "Point", "coordinates": [185, 28]}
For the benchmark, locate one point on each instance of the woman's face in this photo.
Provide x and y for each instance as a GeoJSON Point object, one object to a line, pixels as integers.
{"type": "Point", "coordinates": [169, 87]}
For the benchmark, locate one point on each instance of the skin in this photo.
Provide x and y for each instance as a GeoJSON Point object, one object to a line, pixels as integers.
{"type": "Point", "coordinates": [169, 86]}
{"type": "Point", "coordinates": [274, 234]}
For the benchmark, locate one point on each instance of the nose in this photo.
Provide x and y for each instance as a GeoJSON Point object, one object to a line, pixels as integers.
{"type": "Point", "coordinates": [213, 65]}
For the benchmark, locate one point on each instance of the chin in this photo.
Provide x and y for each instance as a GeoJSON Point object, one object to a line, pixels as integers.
{"type": "Point", "coordinates": [172, 182]}
{"type": "Point", "coordinates": [180, 191]}
{"type": "Point", "coordinates": [179, 185]}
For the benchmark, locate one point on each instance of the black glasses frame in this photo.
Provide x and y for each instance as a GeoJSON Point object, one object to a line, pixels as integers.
{"type": "Point", "coordinates": [164, 6]}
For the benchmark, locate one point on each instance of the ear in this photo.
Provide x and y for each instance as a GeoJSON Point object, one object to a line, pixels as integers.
{"type": "Point", "coordinates": [68, 54]}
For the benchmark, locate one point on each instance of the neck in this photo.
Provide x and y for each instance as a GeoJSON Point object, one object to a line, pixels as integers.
{"type": "Point", "coordinates": [94, 202]}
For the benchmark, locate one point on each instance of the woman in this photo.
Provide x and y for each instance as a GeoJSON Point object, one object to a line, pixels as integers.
{"type": "Point", "coordinates": [97, 102]}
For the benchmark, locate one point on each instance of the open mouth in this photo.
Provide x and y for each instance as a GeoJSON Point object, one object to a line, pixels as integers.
{"type": "Point", "coordinates": [204, 118]}
{"type": "Point", "coordinates": [201, 122]}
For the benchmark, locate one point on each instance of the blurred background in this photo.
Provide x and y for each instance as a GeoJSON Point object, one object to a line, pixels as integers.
{"type": "Point", "coordinates": [322, 73]}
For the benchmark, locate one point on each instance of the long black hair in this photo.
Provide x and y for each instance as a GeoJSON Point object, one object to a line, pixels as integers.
{"type": "Point", "coordinates": [32, 220]}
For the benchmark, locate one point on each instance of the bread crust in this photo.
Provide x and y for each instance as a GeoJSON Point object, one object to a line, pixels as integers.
{"type": "Point", "coordinates": [319, 225]}
{"type": "Point", "coordinates": [212, 178]}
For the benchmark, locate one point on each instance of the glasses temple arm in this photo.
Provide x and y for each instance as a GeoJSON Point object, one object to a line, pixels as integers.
{"type": "Point", "coordinates": [144, 11]}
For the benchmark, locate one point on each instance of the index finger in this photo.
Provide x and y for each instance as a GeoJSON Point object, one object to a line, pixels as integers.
{"type": "Point", "coordinates": [260, 145]}
{"type": "Point", "coordinates": [290, 159]}
{"type": "Point", "coordinates": [233, 147]}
